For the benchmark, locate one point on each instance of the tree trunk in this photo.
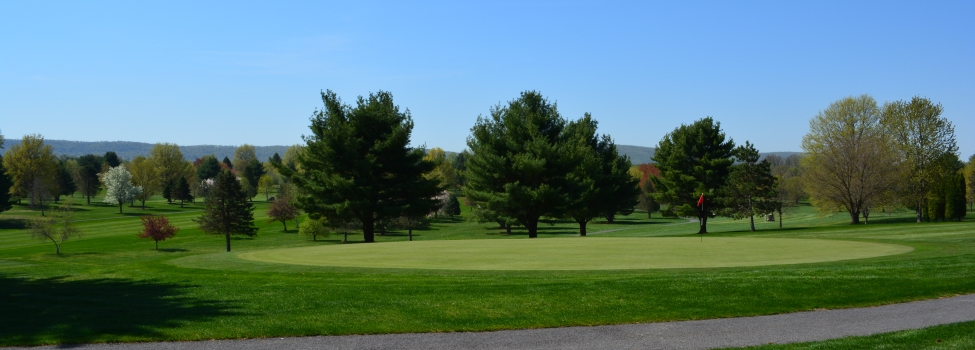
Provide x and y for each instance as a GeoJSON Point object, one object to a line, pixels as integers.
{"type": "Point", "coordinates": [649, 214]}
{"type": "Point", "coordinates": [854, 217]}
{"type": "Point", "coordinates": [120, 207]}
{"type": "Point", "coordinates": [582, 227]}
{"type": "Point", "coordinates": [228, 242]}
{"type": "Point", "coordinates": [89, 199]}
{"type": "Point", "coordinates": [57, 248]}
{"type": "Point", "coordinates": [368, 231]}
{"type": "Point", "coordinates": [918, 211]}
{"type": "Point", "coordinates": [157, 245]}
{"type": "Point", "coordinates": [751, 218]}
{"type": "Point", "coordinates": [143, 204]}
{"type": "Point", "coordinates": [532, 226]}
{"type": "Point", "coordinates": [411, 233]}
{"type": "Point", "coordinates": [285, 222]}
{"type": "Point", "coordinates": [780, 219]}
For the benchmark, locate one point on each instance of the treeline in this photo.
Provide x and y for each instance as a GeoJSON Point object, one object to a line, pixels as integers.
{"type": "Point", "coordinates": [130, 150]}
{"type": "Point", "coordinates": [526, 163]}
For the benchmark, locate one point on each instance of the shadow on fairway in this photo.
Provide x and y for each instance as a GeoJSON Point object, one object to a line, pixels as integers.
{"type": "Point", "coordinates": [173, 250]}
{"type": "Point", "coordinates": [13, 224]}
{"type": "Point", "coordinates": [73, 312]}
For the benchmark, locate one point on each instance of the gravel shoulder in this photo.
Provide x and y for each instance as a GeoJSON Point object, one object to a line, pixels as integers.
{"type": "Point", "coordinates": [704, 334]}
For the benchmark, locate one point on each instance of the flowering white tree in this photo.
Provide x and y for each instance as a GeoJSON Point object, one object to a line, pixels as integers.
{"type": "Point", "coordinates": [118, 185]}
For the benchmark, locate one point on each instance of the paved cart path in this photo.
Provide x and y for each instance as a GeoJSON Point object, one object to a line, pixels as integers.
{"type": "Point", "coordinates": [705, 334]}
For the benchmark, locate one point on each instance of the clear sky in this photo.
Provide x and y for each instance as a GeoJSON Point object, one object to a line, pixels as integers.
{"type": "Point", "coordinates": [237, 72]}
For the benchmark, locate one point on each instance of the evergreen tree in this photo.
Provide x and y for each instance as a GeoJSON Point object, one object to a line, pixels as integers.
{"type": "Point", "coordinates": [86, 175]}
{"type": "Point", "coordinates": [65, 181]}
{"type": "Point", "coordinates": [182, 192]}
{"type": "Point", "coordinates": [168, 189]}
{"type": "Point", "coordinates": [226, 161]}
{"type": "Point", "coordinates": [605, 186]}
{"type": "Point", "coordinates": [5, 184]}
{"type": "Point", "coordinates": [751, 187]}
{"type": "Point", "coordinates": [208, 169]}
{"type": "Point", "coordinates": [694, 161]}
{"type": "Point", "coordinates": [252, 172]}
{"type": "Point", "coordinates": [358, 164]}
{"type": "Point", "coordinates": [522, 161]}
{"type": "Point", "coordinates": [227, 210]}
{"type": "Point", "coordinates": [112, 159]}
{"type": "Point", "coordinates": [452, 207]}
{"type": "Point", "coordinates": [275, 159]}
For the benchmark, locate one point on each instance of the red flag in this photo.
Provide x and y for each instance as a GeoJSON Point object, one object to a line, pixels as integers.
{"type": "Point", "coordinates": [700, 201]}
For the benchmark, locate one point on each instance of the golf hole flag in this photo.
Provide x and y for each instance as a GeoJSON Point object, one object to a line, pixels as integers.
{"type": "Point", "coordinates": [700, 201]}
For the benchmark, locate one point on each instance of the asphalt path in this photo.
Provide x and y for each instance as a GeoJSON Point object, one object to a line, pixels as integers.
{"type": "Point", "coordinates": [705, 334]}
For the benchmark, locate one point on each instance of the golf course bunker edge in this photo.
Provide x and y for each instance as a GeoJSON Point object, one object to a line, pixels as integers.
{"type": "Point", "coordinates": [580, 253]}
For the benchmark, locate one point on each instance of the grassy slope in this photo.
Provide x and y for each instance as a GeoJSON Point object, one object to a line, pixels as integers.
{"type": "Point", "coordinates": [111, 286]}
{"type": "Point", "coordinates": [950, 336]}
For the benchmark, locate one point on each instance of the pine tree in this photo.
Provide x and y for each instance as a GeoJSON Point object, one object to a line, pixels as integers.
{"type": "Point", "coordinates": [227, 211]}
{"type": "Point", "coordinates": [182, 192]}
{"type": "Point", "coordinates": [452, 207]}
{"type": "Point", "coordinates": [358, 164]}
{"type": "Point", "coordinates": [694, 160]}
{"type": "Point", "coordinates": [226, 161]}
{"type": "Point", "coordinates": [751, 187]}
{"type": "Point", "coordinates": [112, 159]}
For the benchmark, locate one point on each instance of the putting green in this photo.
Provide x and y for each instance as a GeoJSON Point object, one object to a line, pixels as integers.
{"type": "Point", "coordinates": [579, 253]}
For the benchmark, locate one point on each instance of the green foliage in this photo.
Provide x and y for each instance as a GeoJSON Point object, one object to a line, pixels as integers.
{"type": "Point", "coordinates": [5, 184]}
{"type": "Point", "coordinates": [228, 211]}
{"type": "Point", "coordinates": [65, 182]}
{"type": "Point", "coordinates": [521, 162]}
{"type": "Point", "coordinates": [313, 228]}
{"type": "Point", "coordinates": [693, 160]}
{"type": "Point", "coordinates": [605, 186]}
{"type": "Point", "coordinates": [452, 206]}
{"type": "Point", "coordinates": [851, 163]}
{"type": "Point", "coordinates": [751, 188]}
{"type": "Point", "coordinates": [458, 161]}
{"type": "Point", "coordinates": [86, 175]}
{"type": "Point", "coordinates": [112, 159]}
{"type": "Point", "coordinates": [924, 140]}
{"type": "Point", "coordinates": [251, 172]}
{"type": "Point", "coordinates": [358, 164]}
{"type": "Point", "coordinates": [209, 168]}
{"type": "Point", "coordinates": [276, 158]}
{"type": "Point", "coordinates": [226, 161]}
{"type": "Point", "coordinates": [181, 192]}
{"type": "Point", "coordinates": [32, 167]}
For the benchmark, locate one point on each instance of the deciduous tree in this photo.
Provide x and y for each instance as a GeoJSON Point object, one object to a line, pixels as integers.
{"type": "Point", "coordinates": [157, 228]}
{"type": "Point", "coordinates": [228, 211]}
{"type": "Point", "coordinates": [265, 185]}
{"type": "Point", "coordinates": [5, 184]}
{"type": "Point", "coordinates": [32, 168]}
{"type": "Point", "coordinates": [694, 161]}
{"type": "Point", "coordinates": [56, 229]}
{"type": "Point", "coordinates": [145, 176]}
{"type": "Point", "coordinates": [922, 138]}
{"type": "Point", "coordinates": [65, 181]}
{"type": "Point", "coordinates": [281, 209]}
{"type": "Point", "coordinates": [850, 160]}
{"type": "Point", "coordinates": [118, 186]}
{"type": "Point", "coordinates": [358, 163]}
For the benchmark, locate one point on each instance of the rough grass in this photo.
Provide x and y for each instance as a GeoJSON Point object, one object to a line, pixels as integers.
{"type": "Point", "coordinates": [111, 286]}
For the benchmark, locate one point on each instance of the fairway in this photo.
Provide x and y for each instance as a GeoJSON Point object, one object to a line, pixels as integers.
{"type": "Point", "coordinates": [581, 253]}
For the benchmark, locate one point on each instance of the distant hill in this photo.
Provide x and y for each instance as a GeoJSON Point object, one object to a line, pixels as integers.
{"type": "Point", "coordinates": [128, 150]}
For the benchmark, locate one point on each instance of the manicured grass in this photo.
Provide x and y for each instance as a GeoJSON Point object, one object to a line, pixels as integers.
{"type": "Point", "coordinates": [580, 253]}
{"type": "Point", "coordinates": [111, 286]}
{"type": "Point", "coordinates": [950, 336]}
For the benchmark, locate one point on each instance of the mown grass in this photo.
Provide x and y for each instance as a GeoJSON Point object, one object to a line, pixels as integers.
{"type": "Point", "coordinates": [111, 286]}
{"type": "Point", "coordinates": [949, 336]}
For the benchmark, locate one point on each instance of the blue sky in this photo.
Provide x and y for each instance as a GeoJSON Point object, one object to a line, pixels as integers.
{"type": "Point", "coordinates": [238, 72]}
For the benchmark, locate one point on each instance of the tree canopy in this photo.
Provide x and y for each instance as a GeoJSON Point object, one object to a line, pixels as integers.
{"type": "Point", "coordinates": [751, 188]}
{"type": "Point", "coordinates": [850, 161]}
{"type": "Point", "coordinates": [521, 162]}
{"type": "Point", "coordinates": [118, 186]}
{"type": "Point", "coordinates": [357, 163]}
{"type": "Point", "coordinates": [228, 211]}
{"type": "Point", "coordinates": [694, 161]}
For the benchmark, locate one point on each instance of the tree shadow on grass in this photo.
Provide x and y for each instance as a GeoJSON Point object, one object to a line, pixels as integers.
{"type": "Point", "coordinates": [58, 310]}
{"type": "Point", "coordinates": [172, 250]}
{"type": "Point", "coordinates": [13, 224]}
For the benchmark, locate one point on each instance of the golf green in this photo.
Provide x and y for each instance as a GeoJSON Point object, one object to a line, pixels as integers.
{"type": "Point", "coordinates": [579, 253]}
